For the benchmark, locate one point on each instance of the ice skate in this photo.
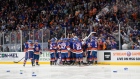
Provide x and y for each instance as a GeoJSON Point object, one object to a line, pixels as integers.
{"type": "Point", "coordinates": [37, 64]}
{"type": "Point", "coordinates": [24, 65]}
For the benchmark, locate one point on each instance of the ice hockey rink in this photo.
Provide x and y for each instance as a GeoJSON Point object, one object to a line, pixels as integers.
{"type": "Point", "coordinates": [69, 72]}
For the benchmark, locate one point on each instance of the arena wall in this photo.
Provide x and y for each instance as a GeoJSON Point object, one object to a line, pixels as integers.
{"type": "Point", "coordinates": [105, 57]}
{"type": "Point", "coordinates": [119, 57]}
{"type": "Point", "coordinates": [11, 57]}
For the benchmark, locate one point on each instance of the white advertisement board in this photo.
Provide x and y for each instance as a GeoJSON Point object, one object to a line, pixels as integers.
{"type": "Point", "coordinates": [10, 57]}
{"type": "Point", "coordinates": [119, 56]}
{"type": "Point", "coordinates": [45, 57]}
{"type": "Point", "coordinates": [103, 57]}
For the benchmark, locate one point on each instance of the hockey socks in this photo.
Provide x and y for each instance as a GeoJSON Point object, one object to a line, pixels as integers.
{"type": "Point", "coordinates": [24, 63]}
{"type": "Point", "coordinates": [68, 62]}
{"type": "Point", "coordinates": [90, 62]}
{"type": "Point", "coordinates": [32, 61]}
{"type": "Point", "coordinates": [37, 62]}
{"type": "Point", "coordinates": [63, 62]}
{"type": "Point", "coordinates": [73, 62]}
{"type": "Point", "coordinates": [54, 62]}
{"type": "Point", "coordinates": [79, 63]}
{"type": "Point", "coordinates": [50, 62]}
{"type": "Point", "coordinates": [95, 62]}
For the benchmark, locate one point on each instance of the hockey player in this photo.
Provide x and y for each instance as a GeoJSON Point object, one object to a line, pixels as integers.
{"type": "Point", "coordinates": [26, 52]}
{"type": "Point", "coordinates": [89, 53]}
{"type": "Point", "coordinates": [64, 47]}
{"type": "Point", "coordinates": [58, 52]}
{"type": "Point", "coordinates": [53, 47]}
{"type": "Point", "coordinates": [94, 49]}
{"type": "Point", "coordinates": [30, 52]}
{"type": "Point", "coordinates": [78, 51]}
{"type": "Point", "coordinates": [37, 52]}
{"type": "Point", "coordinates": [72, 53]}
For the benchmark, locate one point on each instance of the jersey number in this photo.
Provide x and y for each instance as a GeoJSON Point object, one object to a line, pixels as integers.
{"type": "Point", "coordinates": [95, 44]}
{"type": "Point", "coordinates": [78, 46]}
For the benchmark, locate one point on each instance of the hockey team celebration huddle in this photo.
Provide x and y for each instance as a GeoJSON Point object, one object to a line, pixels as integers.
{"type": "Point", "coordinates": [68, 51]}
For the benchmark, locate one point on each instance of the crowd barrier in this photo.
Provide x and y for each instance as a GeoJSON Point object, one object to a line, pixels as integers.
{"type": "Point", "coordinates": [105, 57]}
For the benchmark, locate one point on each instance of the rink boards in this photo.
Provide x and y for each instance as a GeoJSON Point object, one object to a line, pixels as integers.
{"type": "Point", "coordinates": [119, 57]}
{"type": "Point", "coordinates": [107, 57]}
{"type": "Point", "coordinates": [11, 57]}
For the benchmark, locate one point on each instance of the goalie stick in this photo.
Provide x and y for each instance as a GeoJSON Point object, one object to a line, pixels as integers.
{"type": "Point", "coordinates": [19, 60]}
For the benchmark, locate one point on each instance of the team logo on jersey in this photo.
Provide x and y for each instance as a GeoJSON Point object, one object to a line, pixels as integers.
{"type": "Point", "coordinates": [63, 45]}
{"type": "Point", "coordinates": [107, 56]}
{"type": "Point", "coordinates": [128, 53]}
{"type": "Point", "coordinates": [78, 46]}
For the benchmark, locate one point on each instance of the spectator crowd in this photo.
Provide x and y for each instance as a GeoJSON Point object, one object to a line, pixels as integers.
{"type": "Point", "coordinates": [79, 17]}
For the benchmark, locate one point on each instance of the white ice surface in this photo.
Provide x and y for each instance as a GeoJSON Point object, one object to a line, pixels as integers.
{"type": "Point", "coordinates": [69, 72]}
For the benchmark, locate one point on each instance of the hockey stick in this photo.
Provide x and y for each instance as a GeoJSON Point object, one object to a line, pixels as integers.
{"type": "Point", "coordinates": [88, 36]}
{"type": "Point", "coordinates": [19, 60]}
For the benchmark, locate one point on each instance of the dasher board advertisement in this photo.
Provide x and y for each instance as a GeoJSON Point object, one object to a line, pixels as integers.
{"type": "Point", "coordinates": [19, 57]}
{"type": "Point", "coordinates": [119, 56]}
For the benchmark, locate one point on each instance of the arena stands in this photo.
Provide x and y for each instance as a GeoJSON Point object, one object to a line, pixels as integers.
{"type": "Point", "coordinates": [41, 20]}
